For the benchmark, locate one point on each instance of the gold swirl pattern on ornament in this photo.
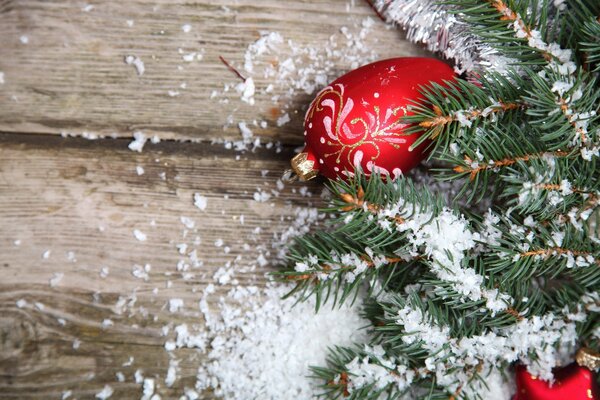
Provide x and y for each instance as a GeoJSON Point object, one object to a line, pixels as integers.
{"type": "Point", "coordinates": [374, 132]}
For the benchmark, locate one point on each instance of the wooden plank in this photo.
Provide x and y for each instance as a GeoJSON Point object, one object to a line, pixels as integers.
{"type": "Point", "coordinates": [85, 197]}
{"type": "Point", "coordinates": [71, 77]}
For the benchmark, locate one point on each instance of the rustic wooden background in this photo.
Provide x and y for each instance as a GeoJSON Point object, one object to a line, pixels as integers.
{"type": "Point", "coordinates": [81, 199]}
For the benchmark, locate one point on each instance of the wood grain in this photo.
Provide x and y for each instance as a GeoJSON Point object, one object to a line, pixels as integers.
{"type": "Point", "coordinates": [70, 76]}
{"type": "Point", "coordinates": [70, 206]}
{"type": "Point", "coordinates": [85, 197]}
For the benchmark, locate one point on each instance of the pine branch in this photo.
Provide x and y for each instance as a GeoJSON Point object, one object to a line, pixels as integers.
{"type": "Point", "coordinates": [550, 251]}
{"type": "Point", "coordinates": [522, 30]}
{"type": "Point", "coordinates": [523, 170]}
{"type": "Point", "coordinates": [564, 108]}
{"type": "Point", "coordinates": [448, 290]}
{"type": "Point", "coordinates": [333, 266]}
{"type": "Point", "coordinates": [590, 43]}
{"type": "Point", "coordinates": [440, 120]}
{"type": "Point", "coordinates": [473, 168]}
{"type": "Point", "coordinates": [411, 341]}
{"type": "Point", "coordinates": [406, 221]}
{"type": "Point", "coordinates": [458, 108]}
{"type": "Point", "coordinates": [321, 270]}
{"type": "Point", "coordinates": [553, 251]}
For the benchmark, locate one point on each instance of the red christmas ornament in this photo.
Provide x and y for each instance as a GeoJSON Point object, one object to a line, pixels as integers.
{"type": "Point", "coordinates": [357, 119]}
{"type": "Point", "coordinates": [573, 382]}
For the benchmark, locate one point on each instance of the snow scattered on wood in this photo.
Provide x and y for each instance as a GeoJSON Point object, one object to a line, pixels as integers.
{"type": "Point", "coordinates": [137, 63]}
{"type": "Point", "coordinates": [291, 69]}
{"type": "Point", "coordinates": [261, 196]}
{"type": "Point", "coordinates": [275, 341]}
{"type": "Point", "coordinates": [200, 201]}
{"type": "Point", "coordinates": [139, 140]}
{"type": "Point", "coordinates": [187, 222]}
{"type": "Point", "coordinates": [175, 305]}
{"type": "Point", "coordinates": [105, 393]}
{"type": "Point", "coordinates": [141, 272]}
{"type": "Point", "coordinates": [171, 373]}
{"type": "Point", "coordinates": [284, 119]}
{"type": "Point", "coordinates": [247, 90]}
{"type": "Point", "coordinates": [148, 389]}
{"type": "Point", "coordinates": [139, 235]}
{"type": "Point", "coordinates": [56, 278]}
{"type": "Point", "coordinates": [71, 257]}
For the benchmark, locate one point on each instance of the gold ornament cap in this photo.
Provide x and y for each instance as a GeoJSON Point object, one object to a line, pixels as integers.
{"type": "Point", "coordinates": [588, 358]}
{"type": "Point", "coordinates": [303, 167]}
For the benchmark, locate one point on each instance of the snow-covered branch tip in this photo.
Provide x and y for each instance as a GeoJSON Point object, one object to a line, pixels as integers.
{"type": "Point", "coordinates": [474, 167]}
{"type": "Point", "coordinates": [564, 188]}
{"type": "Point", "coordinates": [523, 31]}
{"type": "Point", "coordinates": [579, 121]}
{"type": "Point", "coordinates": [465, 117]}
{"type": "Point", "coordinates": [358, 203]}
{"type": "Point", "coordinates": [583, 256]}
{"type": "Point", "coordinates": [323, 270]}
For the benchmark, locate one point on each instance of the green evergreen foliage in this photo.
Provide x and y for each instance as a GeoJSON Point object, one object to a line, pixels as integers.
{"type": "Point", "coordinates": [527, 143]}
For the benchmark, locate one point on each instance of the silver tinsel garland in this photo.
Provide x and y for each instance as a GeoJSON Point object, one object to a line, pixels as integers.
{"type": "Point", "coordinates": [430, 23]}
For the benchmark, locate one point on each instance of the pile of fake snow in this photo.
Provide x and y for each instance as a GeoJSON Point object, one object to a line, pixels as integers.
{"type": "Point", "coordinates": [261, 346]}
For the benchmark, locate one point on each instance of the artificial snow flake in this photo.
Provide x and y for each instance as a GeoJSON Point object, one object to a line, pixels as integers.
{"type": "Point", "coordinates": [56, 278]}
{"type": "Point", "coordinates": [139, 235]}
{"type": "Point", "coordinates": [171, 374]}
{"type": "Point", "coordinates": [148, 389]}
{"type": "Point", "coordinates": [187, 222]}
{"type": "Point", "coordinates": [105, 393]}
{"type": "Point", "coordinates": [175, 305]}
{"type": "Point", "coordinates": [247, 90]}
{"type": "Point", "coordinates": [200, 201]}
{"type": "Point", "coordinates": [137, 63]}
{"type": "Point", "coordinates": [139, 140]}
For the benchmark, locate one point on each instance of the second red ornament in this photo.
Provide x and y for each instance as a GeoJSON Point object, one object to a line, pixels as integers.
{"type": "Point", "coordinates": [356, 121]}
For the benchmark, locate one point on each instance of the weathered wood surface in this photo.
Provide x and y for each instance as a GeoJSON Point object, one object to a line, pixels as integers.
{"type": "Point", "coordinates": [81, 200]}
{"type": "Point", "coordinates": [73, 195]}
{"type": "Point", "coordinates": [70, 75]}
